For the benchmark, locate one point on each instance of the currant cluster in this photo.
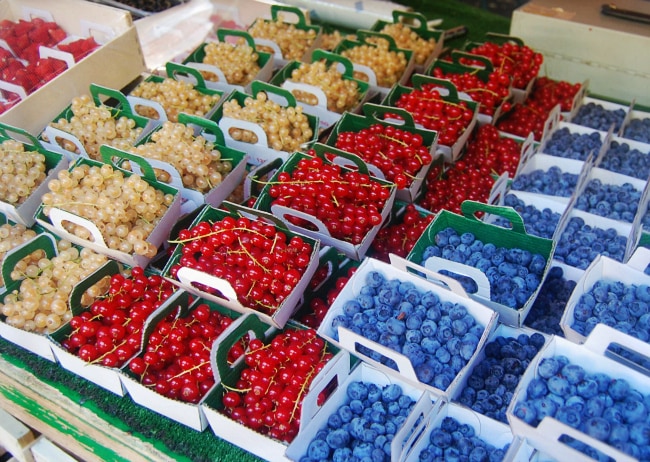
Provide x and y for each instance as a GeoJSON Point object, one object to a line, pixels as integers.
{"type": "Point", "coordinates": [94, 126]}
{"type": "Point", "coordinates": [342, 94]}
{"type": "Point", "coordinates": [196, 159]}
{"type": "Point", "coordinates": [110, 331]}
{"type": "Point", "coordinates": [313, 313]}
{"type": "Point", "coordinates": [490, 94]}
{"type": "Point", "coordinates": [125, 209]}
{"type": "Point", "coordinates": [175, 96]}
{"type": "Point", "coordinates": [286, 128]}
{"type": "Point", "coordinates": [548, 93]}
{"type": "Point", "coordinates": [400, 235]}
{"type": "Point", "coordinates": [21, 172]}
{"type": "Point", "coordinates": [433, 112]}
{"type": "Point", "coordinates": [238, 62]}
{"type": "Point", "coordinates": [387, 65]}
{"type": "Point", "coordinates": [519, 61]}
{"type": "Point", "coordinates": [176, 358]}
{"type": "Point", "coordinates": [448, 187]}
{"type": "Point", "coordinates": [349, 203]}
{"type": "Point", "coordinates": [12, 235]}
{"type": "Point", "coordinates": [40, 304]}
{"type": "Point", "coordinates": [268, 395]}
{"type": "Point", "coordinates": [399, 154]}
{"type": "Point", "coordinates": [262, 264]}
{"type": "Point", "coordinates": [292, 41]}
{"type": "Point", "coordinates": [406, 38]}
{"type": "Point", "coordinates": [522, 120]}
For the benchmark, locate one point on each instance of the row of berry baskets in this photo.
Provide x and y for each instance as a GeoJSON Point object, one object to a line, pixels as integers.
{"type": "Point", "coordinates": [416, 358]}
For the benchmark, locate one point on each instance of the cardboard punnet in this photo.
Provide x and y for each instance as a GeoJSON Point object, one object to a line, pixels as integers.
{"type": "Point", "coordinates": [227, 375]}
{"type": "Point", "coordinates": [489, 430]}
{"type": "Point", "coordinates": [60, 140]}
{"type": "Point", "coordinates": [293, 17]}
{"type": "Point", "coordinates": [502, 330]}
{"type": "Point", "coordinates": [191, 279]}
{"type": "Point", "coordinates": [37, 343]}
{"type": "Point", "coordinates": [515, 237]}
{"type": "Point", "coordinates": [316, 228]}
{"type": "Point", "coordinates": [373, 115]}
{"type": "Point", "coordinates": [121, 48]}
{"type": "Point", "coordinates": [191, 197]}
{"type": "Point", "coordinates": [106, 377]}
{"type": "Point", "coordinates": [417, 23]}
{"type": "Point", "coordinates": [635, 116]}
{"type": "Point", "coordinates": [370, 40]}
{"type": "Point", "coordinates": [449, 95]}
{"type": "Point", "coordinates": [145, 106]}
{"type": "Point", "coordinates": [519, 94]}
{"type": "Point", "coordinates": [54, 162]}
{"type": "Point", "coordinates": [423, 402]}
{"type": "Point", "coordinates": [593, 356]}
{"type": "Point", "coordinates": [186, 413]}
{"type": "Point", "coordinates": [626, 149]}
{"type": "Point", "coordinates": [260, 151]}
{"type": "Point", "coordinates": [54, 221]}
{"type": "Point", "coordinates": [194, 68]}
{"type": "Point", "coordinates": [482, 71]}
{"type": "Point", "coordinates": [606, 106]}
{"type": "Point", "coordinates": [601, 269]}
{"type": "Point", "coordinates": [402, 270]}
{"type": "Point", "coordinates": [326, 117]}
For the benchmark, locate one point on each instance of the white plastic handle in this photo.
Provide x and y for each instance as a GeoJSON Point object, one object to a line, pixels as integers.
{"type": "Point", "coordinates": [53, 133]}
{"type": "Point", "coordinates": [283, 212]}
{"type": "Point", "coordinates": [369, 73]}
{"type": "Point", "coordinates": [318, 92]}
{"type": "Point", "coordinates": [57, 216]}
{"type": "Point", "coordinates": [13, 88]}
{"type": "Point", "coordinates": [216, 70]}
{"type": "Point", "coordinates": [188, 276]}
{"type": "Point", "coordinates": [602, 336]}
{"type": "Point", "coordinates": [155, 105]}
{"type": "Point", "coordinates": [93, 29]}
{"type": "Point", "coordinates": [437, 264]}
{"type": "Point", "coordinates": [451, 284]}
{"type": "Point", "coordinates": [277, 52]}
{"type": "Point", "coordinates": [226, 123]}
{"type": "Point", "coordinates": [351, 341]}
{"type": "Point", "coordinates": [47, 52]}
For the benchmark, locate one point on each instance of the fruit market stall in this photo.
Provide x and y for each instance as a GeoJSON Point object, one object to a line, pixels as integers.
{"type": "Point", "coordinates": [291, 238]}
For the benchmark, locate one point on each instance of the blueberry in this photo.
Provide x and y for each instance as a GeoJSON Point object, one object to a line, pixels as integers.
{"type": "Point", "coordinates": [318, 449]}
{"type": "Point", "coordinates": [618, 389]}
{"type": "Point", "coordinates": [573, 373]}
{"type": "Point", "coordinates": [537, 388]}
{"type": "Point", "coordinates": [440, 438]}
{"type": "Point", "coordinates": [548, 367]}
{"type": "Point", "coordinates": [569, 415]}
{"type": "Point", "coordinates": [357, 391]}
{"type": "Point", "coordinates": [640, 433]}
{"type": "Point", "coordinates": [558, 385]}
{"type": "Point", "coordinates": [634, 411]}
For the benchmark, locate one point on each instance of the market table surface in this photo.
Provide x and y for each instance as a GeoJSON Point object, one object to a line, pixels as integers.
{"type": "Point", "coordinates": [96, 425]}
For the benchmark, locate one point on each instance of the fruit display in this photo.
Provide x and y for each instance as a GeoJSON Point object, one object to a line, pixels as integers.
{"type": "Point", "coordinates": [238, 62]}
{"type": "Point", "coordinates": [400, 234]}
{"type": "Point", "coordinates": [13, 235]}
{"type": "Point", "coordinates": [638, 129]}
{"type": "Point", "coordinates": [22, 171]}
{"type": "Point", "coordinates": [420, 40]}
{"type": "Point", "coordinates": [542, 223]}
{"type": "Point", "coordinates": [614, 201]}
{"type": "Point", "coordinates": [551, 301]}
{"type": "Point", "coordinates": [551, 182]}
{"type": "Point", "coordinates": [572, 144]}
{"type": "Point", "coordinates": [595, 115]}
{"type": "Point", "coordinates": [628, 159]}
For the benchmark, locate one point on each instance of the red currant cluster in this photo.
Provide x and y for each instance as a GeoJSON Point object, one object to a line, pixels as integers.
{"type": "Point", "coordinates": [313, 313]}
{"type": "Point", "coordinates": [268, 395]}
{"type": "Point", "coordinates": [522, 120]}
{"type": "Point", "coordinates": [347, 202]}
{"type": "Point", "coordinates": [548, 93]}
{"type": "Point", "coordinates": [110, 331]}
{"type": "Point", "coordinates": [400, 236]}
{"type": "Point", "coordinates": [519, 61]}
{"type": "Point", "coordinates": [176, 359]}
{"type": "Point", "coordinates": [262, 264]}
{"type": "Point", "coordinates": [490, 94]}
{"type": "Point", "coordinates": [399, 154]}
{"type": "Point", "coordinates": [433, 112]}
{"type": "Point", "coordinates": [471, 178]}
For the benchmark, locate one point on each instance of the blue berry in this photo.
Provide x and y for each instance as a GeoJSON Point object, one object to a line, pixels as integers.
{"type": "Point", "coordinates": [638, 129]}
{"type": "Point", "coordinates": [595, 115]}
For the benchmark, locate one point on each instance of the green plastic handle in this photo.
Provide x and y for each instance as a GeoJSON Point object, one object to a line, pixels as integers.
{"type": "Point", "coordinates": [503, 38]}
{"type": "Point", "coordinates": [108, 154]}
{"type": "Point", "coordinates": [328, 56]}
{"type": "Point", "coordinates": [363, 34]}
{"type": "Point", "coordinates": [109, 268]}
{"type": "Point", "coordinates": [174, 69]}
{"type": "Point", "coordinates": [223, 34]}
{"type": "Point", "coordinates": [240, 209]}
{"type": "Point", "coordinates": [206, 125]}
{"type": "Point", "coordinates": [372, 110]}
{"type": "Point", "coordinates": [250, 323]}
{"type": "Point", "coordinates": [415, 20]}
{"type": "Point", "coordinates": [44, 241]}
{"type": "Point", "coordinates": [469, 209]}
{"type": "Point", "coordinates": [258, 86]}
{"type": "Point", "coordinates": [277, 9]}
{"type": "Point", "coordinates": [420, 79]}
{"type": "Point", "coordinates": [15, 133]}
{"type": "Point", "coordinates": [97, 91]}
